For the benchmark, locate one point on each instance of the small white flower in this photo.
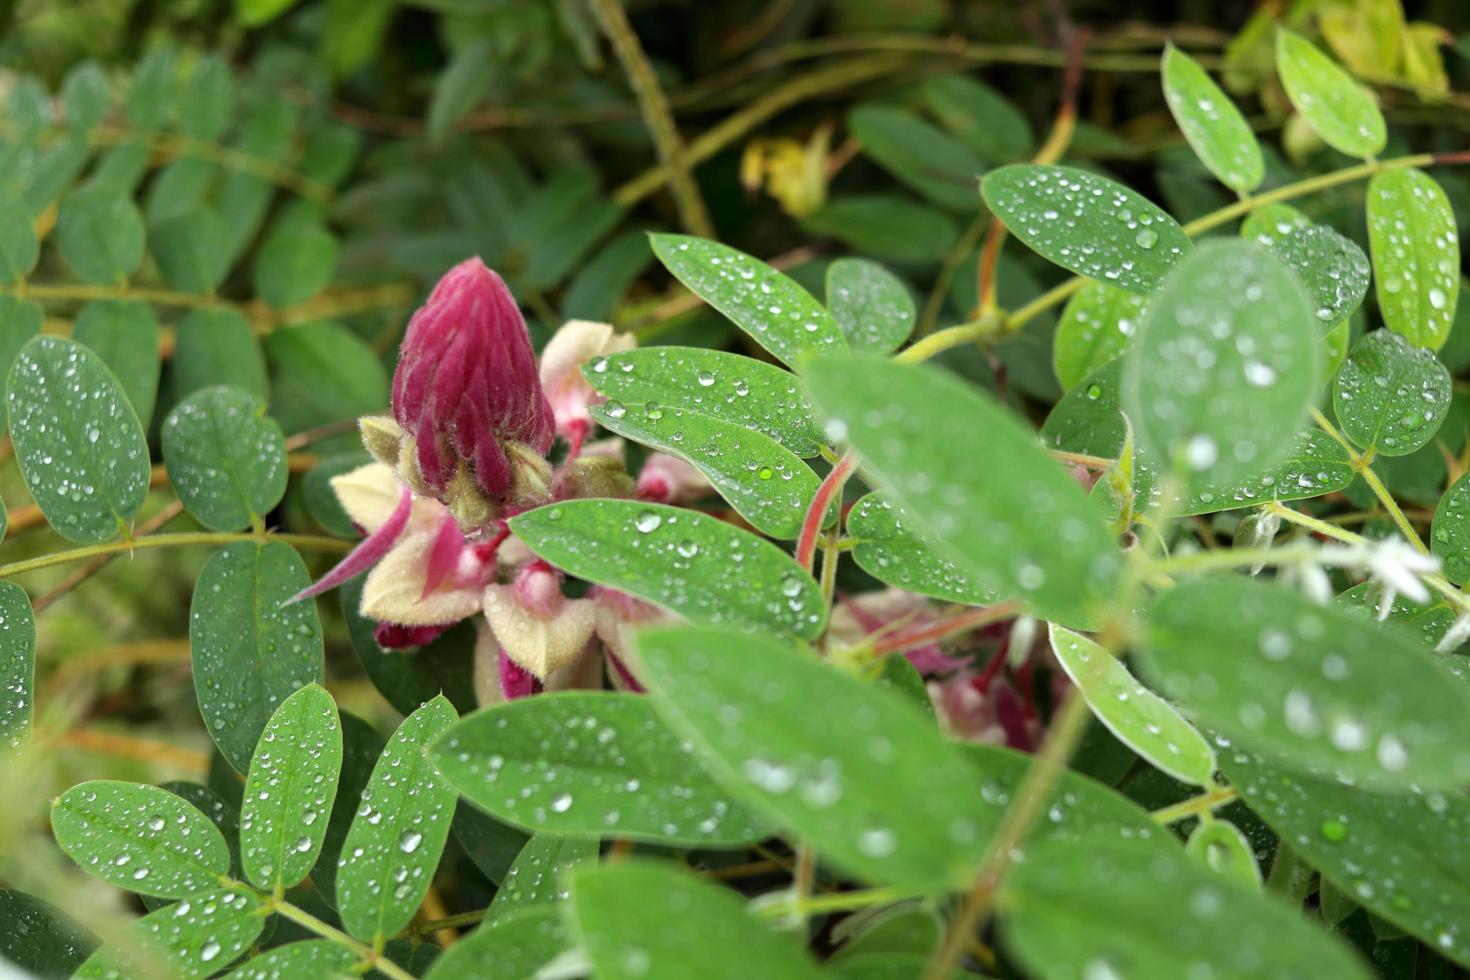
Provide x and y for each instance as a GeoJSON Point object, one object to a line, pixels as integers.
{"type": "Point", "coordinates": [1456, 635]}
{"type": "Point", "coordinates": [1396, 567]}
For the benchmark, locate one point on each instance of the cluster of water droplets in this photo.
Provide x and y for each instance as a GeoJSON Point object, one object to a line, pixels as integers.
{"type": "Point", "coordinates": [892, 552]}
{"type": "Point", "coordinates": [1392, 394]}
{"type": "Point", "coordinates": [1316, 465]}
{"type": "Point", "coordinates": [224, 460]}
{"type": "Point", "coordinates": [1417, 247]}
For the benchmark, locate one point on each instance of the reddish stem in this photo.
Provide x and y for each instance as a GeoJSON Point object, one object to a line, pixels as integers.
{"type": "Point", "coordinates": [962, 623]}
{"type": "Point", "coordinates": [806, 544]}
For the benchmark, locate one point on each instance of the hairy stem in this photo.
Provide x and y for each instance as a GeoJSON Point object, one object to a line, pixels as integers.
{"type": "Point", "coordinates": [811, 526]}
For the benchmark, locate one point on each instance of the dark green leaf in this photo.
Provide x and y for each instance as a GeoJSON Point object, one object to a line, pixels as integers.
{"type": "Point", "coordinates": [321, 373]}
{"type": "Point", "coordinates": [590, 764]}
{"type": "Point", "coordinates": [189, 249]}
{"type": "Point", "coordinates": [871, 304]}
{"type": "Point", "coordinates": [20, 320]}
{"type": "Point", "coordinates": [1390, 396]}
{"type": "Point", "coordinates": [1340, 110]}
{"type": "Point", "coordinates": [295, 264]}
{"type": "Point", "coordinates": [888, 549]}
{"type": "Point", "coordinates": [511, 948]}
{"type": "Point", "coordinates": [141, 838]}
{"type": "Point", "coordinates": [1450, 534]}
{"type": "Point", "coordinates": [623, 915]}
{"type": "Point", "coordinates": [155, 89]}
{"type": "Point", "coordinates": [596, 289]}
{"type": "Point", "coordinates": [462, 84]}
{"type": "Point", "coordinates": [306, 959]}
{"type": "Point", "coordinates": [19, 248]}
{"type": "Point", "coordinates": [290, 789]}
{"type": "Point", "coordinates": [222, 814]}
{"type": "Point", "coordinates": [361, 746]}
{"type": "Point", "coordinates": [331, 148]}
{"type": "Point", "coordinates": [408, 678]}
{"type": "Point", "coordinates": [226, 459]}
{"type": "Point", "coordinates": [538, 875]}
{"type": "Point", "coordinates": [191, 939]}
{"type": "Point", "coordinates": [79, 443]}
{"type": "Point", "coordinates": [1097, 325]}
{"type": "Point", "coordinates": [398, 835]}
{"type": "Point", "coordinates": [217, 347]}
{"type": "Point", "coordinates": [17, 666]}
{"type": "Point", "coordinates": [249, 651]}
{"type": "Point", "coordinates": [693, 565]}
{"type": "Point", "coordinates": [321, 500]}
{"type": "Point", "coordinates": [1214, 127]}
{"type": "Point", "coordinates": [1025, 532]}
{"type": "Point", "coordinates": [1333, 269]}
{"type": "Point", "coordinates": [885, 227]}
{"type": "Point", "coordinates": [1416, 255]}
{"type": "Point", "coordinates": [770, 307]}
{"type": "Point", "coordinates": [1312, 685]}
{"type": "Point", "coordinates": [927, 159]}
{"type": "Point", "coordinates": [1086, 223]}
{"type": "Point", "coordinates": [991, 125]}
{"type": "Point", "coordinates": [492, 846]}
{"type": "Point", "coordinates": [125, 335]}
{"type": "Point", "coordinates": [207, 104]}
{"type": "Point", "coordinates": [40, 938]}
{"type": "Point", "coordinates": [100, 233]}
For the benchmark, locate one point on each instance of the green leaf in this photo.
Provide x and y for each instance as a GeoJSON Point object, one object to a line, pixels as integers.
{"type": "Point", "coordinates": [1449, 537]}
{"type": "Point", "coordinates": [179, 189]}
{"type": "Point", "coordinates": [1416, 255]}
{"type": "Point", "coordinates": [1214, 127]}
{"type": "Point", "coordinates": [295, 263]}
{"type": "Point", "coordinates": [727, 386]}
{"type": "Point", "coordinates": [888, 549]}
{"type": "Point", "coordinates": [1390, 396]}
{"type": "Point", "coordinates": [873, 306]}
{"type": "Point", "coordinates": [1136, 716]}
{"type": "Point", "coordinates": [511, 948]}
{"type": "Point", "coordinates": [1025, 531]}
{"type": "Point", "coordinates": [125, 335]}
{"type": "Point", "coordinates": [492, 846]}
{"type": "Point", "coordinates": [207, 104]}
{"type": "Point", "coordinates": [768, 305]}
{"type": "Point", "coordinates": [1224, 368]}
{"type": "Point", "coordinates": [217, 347]}
{"type": "Point", "coordinates": [1405, 856]}
{"type": "Point", "coordinates": [20, 320]}
{"type": "Point", "coordinates": [1113, 908]}
{"type": "Point", "coordinates": [390, 854]}
{"type": "Point", "coordinates": [250, 652]}
{"type": "Point", "coordinates": [691, 564]}
{"type": "Point", "coordinates": [537, 877]}
{"type": "Point", "coordinates": [139, 837]}
{"type": "Point", "coordinates": [1097, 325]}
{"type": "Point", "coordinates": [322, 372]}
{"type": "Point", "coordinates": [321, 500]}
{"type": "Point", "coordinates": [1312, 685]}
{"type": "Point", "coordinates": [1315, 465]}
{"type": "Point", "coordinates": [1220, 846]}
{"type": "Point", "coordinates": [191, 939]}
{"type": "Point", "coordinates": [331, 149]}
{"type": "Point", "coordinates": [155, 89]}
{"type": "Point", "coordinates": [17, 666]}
{"type": "Point", "coordinates": [766, 483]}
{"type": "Point", "coordinates": [590, 763]}
{"type": "Point", "coordinates": [254, 13]}
{"type": "Point", "coordinates": [1333, 269]}
{"type": "Point", "coordinates": [1091, 225]}
{"type": "Point", "coordinates": [597, 288]}
{"type": "Point", "coordinates": [226, 459]}
{"type": "Point", "coordinates": [931, 162]}
{"type": "Point", "coordinates": [361, 746]}
{"type": "Point", "coordinates": [462, 84]}
{"type": "Point", "coordinates": [906, 927]}
{"type": "Point", "coordinates": [306, 959]}
{"type": "Point", "coordinates": [40, 938]}
{"type": "Point", "coordinates": [28, 105]}
{"type": "Point", "coordinates": [84, 95]}
{"type": "Point", "coordinates": [1337, 108]}
{"type": "Point", "coordinates": [79, 443]}
{"type": "Point", "coordinates": [886, 227]}
{"type": "Point", "coordinates": [991, 125]}
{"type": "Point", "coordinates": [189, 249]}
{"type": "Point", "coordinates": [290, 789]}
{"type": "Point", "coordinates": [100, 233]}
{"type": "Point", "coordinates": [623, 913]}
{"type": "Point", "coordinates": [1271, 223]}
{"type": "Point", "coordinates": [222, 814]}
{"type": "Point", "coordinates": [19, 247]}
{"type": "Point", "coordinates": [408, 678]}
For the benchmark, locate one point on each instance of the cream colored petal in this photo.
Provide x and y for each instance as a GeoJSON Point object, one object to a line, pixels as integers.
{"type": "Point", "coordinates": [582, 674]}
{"type": "Point", "coordinates": [393, 588]}
{"type": "Point", "coordinates": [539, 645]}
{"type": "Point", "coordinates": [370, 495]}
{"type": "Point", "coordinates": [576, 342]}
{"type": "Point", "coordinates": [487, 666]}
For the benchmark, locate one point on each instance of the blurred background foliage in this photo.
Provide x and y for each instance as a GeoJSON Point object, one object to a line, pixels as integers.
{"type": "Point", "coordinates": [301, 170]}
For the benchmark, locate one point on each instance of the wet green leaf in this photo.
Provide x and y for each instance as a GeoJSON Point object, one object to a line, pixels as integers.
{"type": "Point", "coordinates": [538, 876]}
{"type": "Point", "coordinates": [768, 305]}
{"type": "Point", "coordinates": [249, 651]}
{"type": "Point", "coordinates": [593, 763]}
{"type": "Point", "coordinates": [290, 789]}
{"type": "Point", "coordinates": [100, 233]}
{"type": "Point", "coordinates": [1096, 326]}
{"type": "Point", "coordinates": [1224, 368]}
{"type": "Point", "coordinates": [928, 160]}
{"type": "Point", "coordinates": [322, 372]}
{"type": "Point", "coordinates": [217, 347]}
{"type": "Point", "coordinates": [726, 386]}
{"type": "Point", "coordinates": [765, 482]}
{"type": "Point", "coordinates": [126, 336]}
{"type": "Point", "coordinates": [1390, 396]}
{"type": "Point", "coordinates": [511, 948]}
{"type": "Point", "coordinates": [1220, 846]}
{"type": "Point", "coordinates": [408, 678]}
{"type": "Point", "coordinates": [871, 304]}
{"type": "Point", "coordinates": [1136, 716]}
{"type": "Point", "coordinates": [1333, 269]}
{"type": "Point", "coordinates": [78, 441]}
{"type": "Point", "coordinates": [691, 564]}
{"type": "Point", "coordinates": [1340, 110]}
{"type": "Point", "coordinates": [139, 837]}
{"type": "Point", "coordinates": [1405, 856]}
{"type": "Point", "coordinates": [191, 939]}
{"type": "Point", "coordinates": [1416, 255]}
{"type": "Point", "coordinates": [17, 666]}
{"type": "Point", "coordinates": [1312, 685]}
{"type": "Point", "coordinates": [40, 938]}
{"type": "Point", "coordinates": [1114, 907]}
{"type": "Point", "coordinates": [1023, 532]}
{"type": "Point", "coordinates": [1214, 127]}
{"type": "Point", "coordinates": [226, 459]}
{"type": "Point", "coordinates": [1315, 465]}
{"type": "Point", "coordinates": [306, 959]}
{"type": "Point", "coordinates": [622, 912]}
{"type": "Point", "coordinates": [1449, 536]}
{"type": "Point", "coordinates": [888, 549]}
{"type": "Point", "coordinates": [1091, 225]}
{"type": "Point", "coordinates": [361, 746]}
{"type": "Point", "coordinates": [398, 835]}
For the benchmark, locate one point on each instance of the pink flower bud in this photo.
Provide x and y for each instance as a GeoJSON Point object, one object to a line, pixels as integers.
{"type": "Point", "coordinates": [667, 479]}
{"type": "Point", "coordinates": [574, 344]}
{"type": "Point", "coordinates": [466, 389]}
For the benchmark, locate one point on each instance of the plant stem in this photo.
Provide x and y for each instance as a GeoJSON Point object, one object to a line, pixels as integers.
{"type": "Point", "coordinates": [448, 922]}
{"type": "Point", "coordinates": [836, 902]}
{"type": "Point", "coordinates": [313, 542]}
{"type": "Point", "coordinates": [1313, 524]}
{"type": "Point", "coordinates": [1195, 805]}
{"type": "Point", "coordinates": [1041, 776]}
{"type": "Point", "coordinates": [965, 622]}
{"type": "Point", "coordinates": [364, 952]}
{"type": "Point", "coordinates": [957, 336]}
{"type": "Point", "coordinates": [1392, 506]}
{"type": "Point", "coordinates": [811, 525]}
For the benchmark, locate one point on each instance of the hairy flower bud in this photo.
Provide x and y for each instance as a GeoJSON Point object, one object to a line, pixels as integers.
{"type": "Point", "coordinates": [476, 422]}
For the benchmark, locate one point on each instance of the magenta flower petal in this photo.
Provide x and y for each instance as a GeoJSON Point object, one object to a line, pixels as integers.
{"type": "Point", "coordinates": [443, 556]}
{"type": "Point", "coordinates": [366, 554]}
{"type": "Point", "coordinates": [515, 680]}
